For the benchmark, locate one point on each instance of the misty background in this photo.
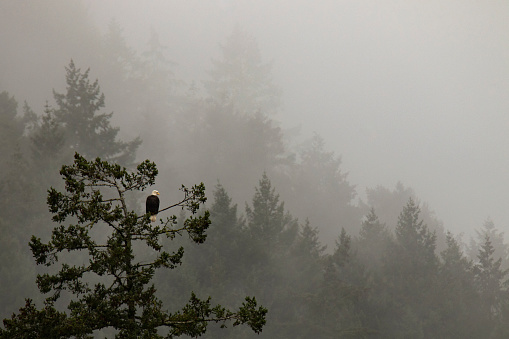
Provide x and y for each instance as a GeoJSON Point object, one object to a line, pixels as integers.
{"type": "Point", "coordinates": [405, 91]}
{"type": "Point", "coordinates": [300, 118]}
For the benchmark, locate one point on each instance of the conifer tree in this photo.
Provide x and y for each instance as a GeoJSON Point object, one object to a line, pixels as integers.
{"type": "Point", "coordinates": [110, 284]}
{"type": "Point", "coordinates": [409, 266]}
{"type": "Point", "coordinates": [271, 234]}
{"type": "Point", "coordinates": [319, 176]}
{"type": "Point", "coordinates": [489, 279]}
{"type": "Point", "coordinates": [414, 237]}
{"type": "Point", "coordinates": [373, 241]}
{"type": "Point", "coordinates": [458, 301]}
{"type": "Point", "coordinates": [338, 301]}
{"type": "Point", "coordinates": [267, 219]}
{"type": "Point", "coordinates": [497, 239]}
{"type": "Point", "coordinates": [308, 243]}
{"type": "Point", "coordinates": [218, 263]}
{"type": "Point", "coordinates": [11, 128]}
{"type": "Point", "coordinates": [88, 131]}
{"type": "Point", "coordinates": [48, 148]}
{"type": "Point", "coordinates": [241, 79]}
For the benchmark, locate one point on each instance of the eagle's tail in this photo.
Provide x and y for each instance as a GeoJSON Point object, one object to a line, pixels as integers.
{"type": "Point", "coordinates": [153, 218]}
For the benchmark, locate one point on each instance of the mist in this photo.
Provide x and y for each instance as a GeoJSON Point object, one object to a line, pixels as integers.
{"type": "Point", "coordinates": [402, 91]}
{"type": "Point", "coordinates": [397, 100]}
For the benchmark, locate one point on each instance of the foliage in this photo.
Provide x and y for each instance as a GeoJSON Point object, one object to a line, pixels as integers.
{"type": "Point", "coordinates": [342, 292]}
{"type": "Point", "coordinates": [496, 236]}
{"type": "Point", "coordinates": [48, 139]}
{"type": "Point", "coordinates": [108, 286]}
{"type": "Point", "coordinates": [374, 238]}
{"type": "Point", "coordinates": [16, 271]}
{"type": "Point", "coordinates": [388, 204]}
{"type": "Point", "coordinates": [460, 303]}
{"type": "Point", "coordinates": [11, 128]}
{"type": "Point", "coordinates": [413, 235]}
{"type": "Point", "coordinates": [318, 174]}
{"type": "Point", "coordinates": [88, 131]}
{"type": "Point", "coordinates": [410, 265]}
{"type": "Point", "coordinates": [267, 219]}
{"type": "Point", "coordinates": [489, 278]}
{"type": "Point", "coordinates": [240, 79]}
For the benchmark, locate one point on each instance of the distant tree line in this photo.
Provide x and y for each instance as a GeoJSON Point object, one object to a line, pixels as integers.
{"type": "Point", "coordinates": [382, 282]}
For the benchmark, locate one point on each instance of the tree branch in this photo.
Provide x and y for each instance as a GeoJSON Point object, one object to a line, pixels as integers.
{"type": "Point", "coordinates": [187, 322]}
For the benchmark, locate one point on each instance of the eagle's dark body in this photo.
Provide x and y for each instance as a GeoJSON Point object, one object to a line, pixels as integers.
{"type": "Point", "coordinates": [152, 205]}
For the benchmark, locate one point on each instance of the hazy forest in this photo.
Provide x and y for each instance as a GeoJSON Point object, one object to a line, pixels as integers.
{"type": "Point", "coordinates": [277, 235]}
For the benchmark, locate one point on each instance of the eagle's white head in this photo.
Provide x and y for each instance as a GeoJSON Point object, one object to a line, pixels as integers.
{"type": "Point", "coordinates": [155, 192]}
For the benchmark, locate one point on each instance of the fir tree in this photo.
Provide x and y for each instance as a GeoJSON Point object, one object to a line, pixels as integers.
{"type": "Point", "coordinates": [489, 278]}
{"type": "Point", "coordinates": [88, 131]}
{"type": "Point", "coordinates": [110, 286]}
{"type": "Point", "coordinates": [410, 265]}
{"type": "Point", "coordinates": [241, 79]}
{"type": "Point", "coordinates": [457, 301]}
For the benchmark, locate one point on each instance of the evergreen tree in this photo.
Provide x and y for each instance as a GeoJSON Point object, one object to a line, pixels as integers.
{"type": "Point", "coordinates": [110, 287]}
{"type": "Point", "coordinates": [248, 146]}
{"type": "Point", "coordinates": [318, 176]}
{"type": "Point", "coordinates": [16, 190]}
{"type": "Point", "coordinates": [373, 242]}
{"type": "Point", "coordinates": [388, 204]}
{"type": "Point", "coordinates": [218, 264]}
{"type": "Point", "coordinates": [414, 237]}
{"type": "Point", "coordinates": [158, 73]}
{"type": "Point", "coordinates": [267, 220]}
{"type": "Point", "coordinates": [229, 240]}
{"type": "Point", "coordinates": [87, 130]}
{"type": "Point", "coordinates": [48, 146]}
{"type": "Point", "coordinates": [496, 236]}
{"type": "Point", "coordinates": [342, 295]}
{"type": "Point", "coordinates": [17, 199]}
{"type": "Point", "coordinates": [11, 128]}
{"type": "Point", "coordinates": [308, 243]}
{"type": "Point", "coordinates": [124, 75]}
{"type": "Point", "coordinates": [118, 54]}
{"type": "Point", "coordinates": [371, 227]}
{"type": "Point", "coordinates": [489, 279]}
{"type": "Point", "coordinates": [303, 271]}
{"type": "Point", "coordinates": [271, 236]}
{"type": "Point", "coordinates": [241, 79]}
{"type": "Point", "coordinates": [15, 271]}
{"type": "Point", "coordinates": [410, 278]}
{"type": "Point", "coordinates": [458, 299]}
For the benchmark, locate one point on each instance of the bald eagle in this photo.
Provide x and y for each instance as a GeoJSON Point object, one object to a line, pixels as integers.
{"type": "Point", "coordinates": [152, 205]}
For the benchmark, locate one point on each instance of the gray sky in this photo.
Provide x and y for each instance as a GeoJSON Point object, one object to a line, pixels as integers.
{"type": "Point", "coordinates": [410, 91]}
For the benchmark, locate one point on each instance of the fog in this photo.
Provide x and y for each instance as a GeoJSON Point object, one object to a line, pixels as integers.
{"type": "Point", "coordinates": [324, 109]}
{"type": "Point", "coordinates": [401, 90]}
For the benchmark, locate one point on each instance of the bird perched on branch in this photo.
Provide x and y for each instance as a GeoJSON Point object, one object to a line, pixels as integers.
{"type": "Point", "coordinates": [152, 205]}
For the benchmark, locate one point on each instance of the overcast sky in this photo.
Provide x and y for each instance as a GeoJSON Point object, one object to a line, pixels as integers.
{"type": "Point", "coordinates": [410, 91]}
